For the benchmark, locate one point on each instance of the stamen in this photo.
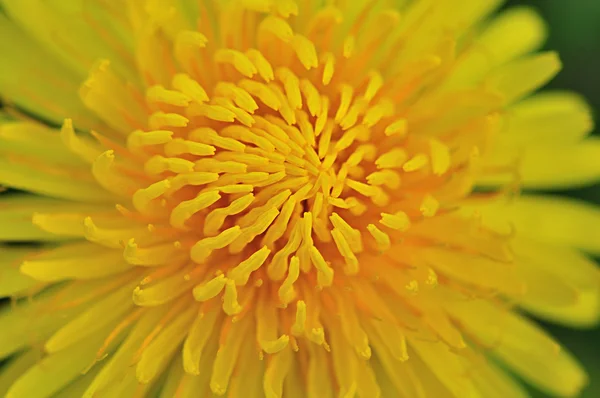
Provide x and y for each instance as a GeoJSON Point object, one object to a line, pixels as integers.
{"type": "Point", "coordinates": [139, 139]}
{"type": "Point", "coordinates": [291, 84]}
{"type": "Point", "coordinates": [398, 221]}
{"type": "Point", "coordinates": [381, 238]}
{"type": "Point", "coordinates": [396, 158]}
{"type": "Point", "coordinates": [241, 273]}
{"type": "Point", "coordinates": [159, 164]}
{"type": "Point", "coordinates": [324, 271]}
{"type": "Point", "coordinates": [210, 289]}
{"type": "Point", "coordinates": [429, 206]}
{"type": "Point", "coordinates": [286, 291]}
{"type": "Point", "coordinates": [209, 136]}
{"type": "Point", "coordinates": [262, 65]}
{"type": "Point", "coordinates": [189, 87]}
{"type": "Point", "coordinates": [180, 146]}
{"type": "Point", "coordinates": [236, 59]}
{"type": "Point", "coordinates": [142, 197]}
{"type": "Point", "coordinates": [160, 95]}
{"type": "Point", "coordinates": [162, 120]}
{"type": "Point", "coordinates": [203, 248]}
{"type": "Point", "coordinates": [416, 163]}
{"type": "Point", "coordinates": [185, 210]}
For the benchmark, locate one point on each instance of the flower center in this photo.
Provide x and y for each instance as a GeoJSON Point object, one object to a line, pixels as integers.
{"type": "Point", "coordinates": [264, 172]}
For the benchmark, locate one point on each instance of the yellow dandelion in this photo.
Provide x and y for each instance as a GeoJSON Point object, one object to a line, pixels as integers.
{"type": "Point", "coordinates": [280, 198]}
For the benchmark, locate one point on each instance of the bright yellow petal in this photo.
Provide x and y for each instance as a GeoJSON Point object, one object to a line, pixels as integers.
{"type": "Point", "coordinates": [17, 222]}
{"type": "Point", "coordinates": [36, 140]}
{"type": "Point", "coordinates": [174, 376]}
{"type": "Point", "coordinates": [523, 76]}
{"type": "Point", "coordinates": [250, 380]}
{"type": "Point", "coordinates": [447, 366]}
{"type": "Point", "coordinates": [44, 92]}
{"type": "Point", "coordinates": [55, 371]}
{"type": "Point", "coordinates": [78, 386]}
{"type": "Point", "coordinates": [55, 181]}
{"type": "Point", "coordinates": [25, 324]}
{"type": "Point", "coordinates": [494, 382]}
{"type": "Point", "coordinates": [79, 260]}
{"type": "Point", "coordinates": [583, 314]}
{"type": "Point", "coordinates": [90, 28]}
{"type": "Point", "coordinates": [474, 269]}
{"type": "Point", "coordinates": [564, 284]}
{"type": "Point", "coordinates": [159, 352]}
{"type": "Point", "coordinates": [513, 33]}
{"type": "Point", "coordinates": [105, 312]}
{"type": "Point", "coordinates": [110, 379]}
{"type": "Point", "coordinates": [553, 220]}
{"type": "Point", "coordinates": [469, 12]}
{"type": "Point", "coordinates": [550, 117]}
{"type": "Point", "coordinates": [16, 225]}
{"type": "Point", "coordinates": [522, 345]}
{"type": "Point", "coordinates": [30, 322]}
{"type": "Point", "coordinates": [12, 281]}
{"type": "Point", "coordinates": [18, 365]}
{"type": "Point", "coordinates": [542, 166]}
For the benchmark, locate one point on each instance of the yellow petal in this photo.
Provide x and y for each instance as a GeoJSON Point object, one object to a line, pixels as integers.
{"type": "Point", "coordinates": [16, 216]}
{"type": "Point", "coordinates": [468, 13]}
{"type": "Point", "coordinates": [513, 33]}
{"type": "Point", "coordinates": [494, 382]}
{"type": "Point", "coordinates": [447, 366]}
{"type": "Point", "coordinates": [394, 379]}
{"type": "Point", "coordinates": [22, 82]}
{"type": "Point", "coordinates": [557, 221]}
{"type": "Point", "coordinates": [174, 376]}
{"type": "Point", "coordinates": [521, 345]}
{"type": "Point", "coordinates": [18, 365]}
{"type": "Point", "coordinates": [78, 386]}
{"type": "Point", "coordinates": [80, 260]}
{"type": "Point", "coordinates": [61, 26]}
{"type": "Point", "coordinates": [582, 314]}
{"type": "Point", "coordinates": [158, 353]}
{"type": "Point", "coordinates": [543, 288]}
{"type": "Point", "coordinates": [107, 311]}
{"type": "Point", "coordinates": [521, 77]}
{"type": "Point", "coordinates": [516, 31]}
{"type": "Point", "coordinates": [197, 341]}
{"type": "Point", "coordinates": [33, 176]}
{"type": "Point", "coordinates": [248, 383]}
{"type": "Point", "coordinates": [557, 117]}
{"type": "Point", "coordinates": [565, 294]}
{"type": "Point", "coordinates": [55, 371]}
{"type": "Point", "coordinates": [12, 281]}
{"type": "Point", "coordinates": [474, 269]}
{"type": "Point", "coordinates": [165, 289]}
{"type": "Point", "coordinates": [37, 141]}
{"type": "Point", "coordinates": [227, 356]}
{"type": "Point", "coordinates": [542, 166]}
{"type": "Point", "coordinates": [119, 363]}
{"type": "Point", "coordinates": [582, 273]}
{"type": "Point", "coordinates": [30, 323]}
{"type": "Point", "coordinates": [344, 361]}
{"type": "Point", "coordinates": [193, 385]}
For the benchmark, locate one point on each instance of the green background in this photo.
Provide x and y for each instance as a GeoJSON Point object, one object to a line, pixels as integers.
{"type": "Point", "coordinates": [575, 34]}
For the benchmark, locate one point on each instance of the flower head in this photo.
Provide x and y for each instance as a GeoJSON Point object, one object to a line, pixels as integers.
{"type": "Point", "coordinates": [278, 198]}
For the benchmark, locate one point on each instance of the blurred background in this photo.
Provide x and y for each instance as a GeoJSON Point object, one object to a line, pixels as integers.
{"type": "Point", "coordinates": [575, 34]}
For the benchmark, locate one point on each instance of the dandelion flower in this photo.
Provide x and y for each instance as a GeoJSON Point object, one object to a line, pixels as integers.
{"type": "Point", "coordinates": [279, 198]}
